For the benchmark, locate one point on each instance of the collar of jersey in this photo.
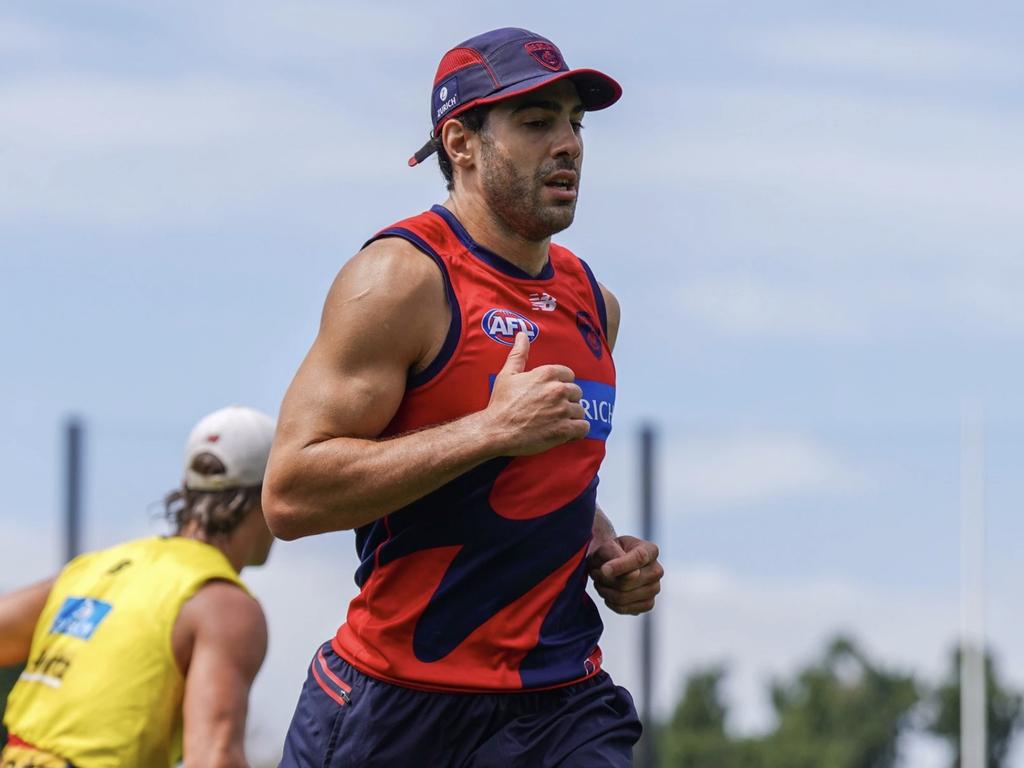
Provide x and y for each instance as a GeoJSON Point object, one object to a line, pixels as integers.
{"type": "Point", "coordinates": [487, 256]}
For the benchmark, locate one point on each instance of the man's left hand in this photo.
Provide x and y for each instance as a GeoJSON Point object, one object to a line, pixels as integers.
{"type": "Point", "coordinates": [626, 573]}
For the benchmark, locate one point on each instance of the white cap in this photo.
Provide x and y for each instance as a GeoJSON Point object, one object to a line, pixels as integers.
{"type": "Point", "coordinates": [240, 437]}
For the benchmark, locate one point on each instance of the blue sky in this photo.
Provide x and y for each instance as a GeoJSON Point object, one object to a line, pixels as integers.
{"type": "Point", "coordinates": [810, 214]}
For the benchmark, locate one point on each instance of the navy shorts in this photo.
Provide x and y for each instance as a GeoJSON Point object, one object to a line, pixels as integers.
{"type": "Point", "coordinates": [346, 718]}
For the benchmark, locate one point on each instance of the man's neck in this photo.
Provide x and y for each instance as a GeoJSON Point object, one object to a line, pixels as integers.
{"type": "Point", "coordinates": [230, 546]}
{"type": "Point", "coordinates": [531, 256]}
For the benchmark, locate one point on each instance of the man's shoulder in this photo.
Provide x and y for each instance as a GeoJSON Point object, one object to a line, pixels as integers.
{"type": "Point", "coordinates": [388, 287]}
{"type": "Point", "coordinates": [390, 295]}
{"type": "Point", "coordinates": [217, 599]}
{"type": "Point", "coordinates": [218, 593]}
{"type": "Point", "coordinates": [423, 224]}
{"type": "Point", "coordinates": [396, 257]}
{"type": "Point", "coordinates": [389, 264]}
{"type": "Point", "coordinates": [223, 618]}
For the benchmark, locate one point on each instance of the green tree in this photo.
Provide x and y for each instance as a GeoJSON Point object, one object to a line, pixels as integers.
{"type": "Point", "coordinates": [696, 737]}
{"type": "Point", "coordinates": [8, 676]}
{"type": "Point", "coordinates": [841, 712]}
{"type": "Point", "coordinates": [1004, 712]}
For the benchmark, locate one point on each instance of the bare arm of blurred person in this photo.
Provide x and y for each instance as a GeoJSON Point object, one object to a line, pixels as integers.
{"type": "Point", "coordinates": [19, 612]}
{"type": "Point", "coordinates": [386, 316]}
{"type": "Point", "coordinates": [219, 640]}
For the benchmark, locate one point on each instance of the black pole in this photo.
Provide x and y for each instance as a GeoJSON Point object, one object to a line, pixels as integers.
{"type": "Point", "coordinates": [648, 744]}
{"type": "Point", "coordinates": [72, 488]}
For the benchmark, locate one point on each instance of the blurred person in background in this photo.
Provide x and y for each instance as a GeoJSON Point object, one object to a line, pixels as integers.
{"type": "Point", "coordinates": [143, 652]}
{"type": "Point", "coordinates": [453, 410]}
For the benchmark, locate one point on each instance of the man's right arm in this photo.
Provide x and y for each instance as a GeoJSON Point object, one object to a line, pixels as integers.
{"type": "Point", "coordinates": [19, 612]}
{"type": "Point", "coordinates": [386, 315]}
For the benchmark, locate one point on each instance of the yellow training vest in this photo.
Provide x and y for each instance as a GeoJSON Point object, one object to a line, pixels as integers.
{"type": "Point", "coordinates": [101, 686]}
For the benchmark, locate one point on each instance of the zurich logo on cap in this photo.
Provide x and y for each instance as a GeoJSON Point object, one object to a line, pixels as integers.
{"type": "Point", "coordinates": [502, 325]}
{"type": "Point", "coordinates": [446, 97]}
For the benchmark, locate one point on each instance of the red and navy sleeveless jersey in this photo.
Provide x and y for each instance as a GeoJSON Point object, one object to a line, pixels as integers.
{"type": "Point", "coordinates": [481, 585]}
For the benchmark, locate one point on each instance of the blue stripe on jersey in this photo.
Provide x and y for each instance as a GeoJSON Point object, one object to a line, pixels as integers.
{"type": "Point", "coordinates": [524, 553]}
{"type": "Point", "coordinates": [602, 311]}
{"type": "Point", "coordinates": [567, 634]}
{"type": "Point", "coordinates": [487, 256]}
{"type": "Point", "coordinates": [451, 340]}
{"type": "Point", "coordinates": [598, 403]}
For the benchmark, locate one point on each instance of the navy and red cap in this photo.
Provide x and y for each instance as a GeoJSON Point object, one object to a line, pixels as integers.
{"type": "Point", "coordinates": [503, 63]}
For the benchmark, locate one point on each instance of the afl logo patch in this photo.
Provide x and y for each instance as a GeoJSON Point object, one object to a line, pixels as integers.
{"type": "Point", "coordinates": [502, 325]}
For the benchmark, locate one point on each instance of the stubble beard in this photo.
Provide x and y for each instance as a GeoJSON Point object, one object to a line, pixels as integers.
{"type": "Point", "coordinates": [514, 198]}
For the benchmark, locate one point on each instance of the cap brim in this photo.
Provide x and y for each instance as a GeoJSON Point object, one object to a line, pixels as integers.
{"type": "Point", "coordinates": [423, 152]}
{"type": "Point", "coordinates": [596, 89]}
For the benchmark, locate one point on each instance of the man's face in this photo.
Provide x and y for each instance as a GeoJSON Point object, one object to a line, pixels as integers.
{"type": "Point", "coordinates": [530, 159]}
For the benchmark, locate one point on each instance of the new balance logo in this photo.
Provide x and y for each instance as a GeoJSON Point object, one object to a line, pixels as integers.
{"type": "Point", "coordinates": [543, 301]}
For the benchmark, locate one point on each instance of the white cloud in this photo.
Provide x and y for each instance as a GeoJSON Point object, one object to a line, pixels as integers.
{"type": "Point", "coordinates": [765, 629]}
{"type": "Point", "coordinates": [714, 472]}
{"type": "Point", "coordinates": [745, 306]}
{"type": "Point", "coordinates": [134, 152]}
{"type": "Point", "coordinates": [320, 32]}
{"type": "Point", "coordinates": [871, 157]}
{"type": "Point", "coordinates": [31, 547]}
{"type": "Point", "coordinates": [879, 51]}
{"type": "Point", "coordinates": [974, 293]}
{"type": "Point", "coordinates": [832, 214]}
{"type": "Point", "coordinates": [846, 174]}
{"type": "Point", "coordinates": [20, 40]}
{"type": "Point", "coordinates": [988, 291]}
{"type": "Point", "coordinates": [278, 104]}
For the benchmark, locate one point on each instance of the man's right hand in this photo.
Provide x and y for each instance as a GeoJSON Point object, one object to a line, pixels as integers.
{"type": "Point", "coordinates": [532, 411]}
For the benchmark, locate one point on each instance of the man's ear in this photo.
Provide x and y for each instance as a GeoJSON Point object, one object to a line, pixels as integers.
{"type": "Point", "coordinates": [459, 144]}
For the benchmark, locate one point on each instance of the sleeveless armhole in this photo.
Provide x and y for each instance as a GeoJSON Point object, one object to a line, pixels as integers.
{"type": "Point", "coordinates": [187, 594]}
{"type": "Point", "coordinates": [451, 340]}
{"type": "Point", "coordinates": [602, 312]}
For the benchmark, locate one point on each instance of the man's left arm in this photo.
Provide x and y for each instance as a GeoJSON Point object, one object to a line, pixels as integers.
{"type": "Point", "coordinates": [219, 641]}
{"type": "Point", "coordinates": [625, 569]}
{"type": "Point", "coordinates": [19, 612]}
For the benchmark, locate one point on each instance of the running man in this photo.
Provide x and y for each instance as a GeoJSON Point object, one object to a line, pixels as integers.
{"type": "Point", "coordinates": [453, 410]}
{"type": "Point", "coordinates": [133, 650]}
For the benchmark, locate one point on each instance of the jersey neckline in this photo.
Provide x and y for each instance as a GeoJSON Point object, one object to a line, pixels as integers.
{"type": "Point", "coordinates": [488, 256]}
